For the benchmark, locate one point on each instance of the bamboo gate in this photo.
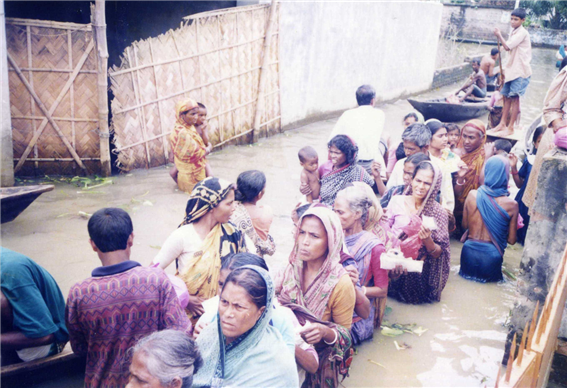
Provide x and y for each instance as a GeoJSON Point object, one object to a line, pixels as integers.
{"type": "Point", "coordinates": [529, 365]}
{"type": "Point", "coordinates": [54, 98]}
{"type": "Point", "coordinates": [225, 59]}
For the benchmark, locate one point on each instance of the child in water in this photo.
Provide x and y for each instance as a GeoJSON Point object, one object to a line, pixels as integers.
{"type": "Point", "coordinates": [310, 185]}
{"type": "Point", "coordinates": [453, 135]}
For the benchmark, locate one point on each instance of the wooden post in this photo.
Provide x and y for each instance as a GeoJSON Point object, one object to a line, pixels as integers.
{"type": "Point", "coordinates": [6, 146]}
{"type": "Point", "coordinates": [263, 70]}
{"type": "Point", "coordinates": [99, 24]}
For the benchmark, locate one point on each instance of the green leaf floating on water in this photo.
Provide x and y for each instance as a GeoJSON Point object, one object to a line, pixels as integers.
{"type": "Point", "coordinates": [387, 311]}
{"type": "Point", "coordinates": [391, 332]}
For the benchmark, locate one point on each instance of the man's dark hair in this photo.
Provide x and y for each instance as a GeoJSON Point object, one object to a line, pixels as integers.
{"type": "Point", "coordinates": [400, 152]}
{"type": "Point", "coordinates": [520, 13]}
{"type": "Point", "coordinates": [416, 159]}
{"type": "Point", "coordinates": [503, 145]}
{"type": "Point", "coordinates": [306, 153]}
{"type": "Point", "coordinates": [346, 146]}
{"type": "Point", "coordinates": [201, 105]}
{"type": "Point", "coordinates": [110, 228]}
{"type": "Point", "coordinates": [249, 185]}
{"type": "Point", "coordinates": [302, 210]}
{"type": "Point", "coordinates": [494, 52]}
{"type": "Point", "coordinates": [365, 94]}
{"type": "Point", "coordinates": [475, 61]}
{"type": "Point", "coordinates": [252, 282]}
{"type": "Point", "coordinates": [412, 114]}
{"type": "Point", "coordinates": [563, 63]}
{"type": "Point", "coordinates": [424, 165]}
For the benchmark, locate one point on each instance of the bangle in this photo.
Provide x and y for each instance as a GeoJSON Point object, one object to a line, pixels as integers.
{"type": "Point", "coordinates": [434, 249]}
{"type": "Point", "coordinates": [333, 342]}
{"type": "Point", "coordinates": [457, 182]}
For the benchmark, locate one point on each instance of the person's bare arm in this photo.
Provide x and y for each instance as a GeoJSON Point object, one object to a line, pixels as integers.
{"type": "Point", "coordinates": [514, 170]}
{"type": "Point", "coordinates": [513, 223]}
{"type": "Point", "coordinates": [376, 292]}
{"type": "Point", "coordinates": [362, 304]}
{"type": "Point", "coordinates": [17, 340]}
{"type": "Point", "coordinates": [471, 198]}
{"type": "Point", "coordinates": [460, 181]}
{"type": "Point", "coordinates": [376, 167]}
{"type": "Point", "coordinates": [498, 35]}
{"type": "Point", "coordinates": [304, 187]}
{"type": "Point", "coordinates": [306, 360]}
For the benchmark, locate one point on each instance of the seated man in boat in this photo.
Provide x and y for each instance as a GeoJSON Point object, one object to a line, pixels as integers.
{"type": "Point", "coordinates": [475, 84]}
{"type": "Point", "coordinates": [491, 218]}
{"type": "Point", "coordinates": [121, 303]}
{"type": "Point", "coordinates": [488, 66]}
{"type": "Point", "coordinates": [33, 310]}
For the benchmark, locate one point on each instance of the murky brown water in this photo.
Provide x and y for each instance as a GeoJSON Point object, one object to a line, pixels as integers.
{"type": "Point", "coordinates": [465, 339]}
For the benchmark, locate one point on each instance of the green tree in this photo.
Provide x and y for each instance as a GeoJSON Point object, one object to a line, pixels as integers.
{"type": "Point", "coordinates": [555, 10]}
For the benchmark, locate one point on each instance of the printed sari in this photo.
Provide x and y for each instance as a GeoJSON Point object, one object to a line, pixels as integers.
{"type": "Point", "coordinates": [424, 287]}
{"type": "Point", "coordinates": [202, 272]}
{"type": "Point", "coordinates": [243, 222]}
{"type": "Point", "coordinates": [188, 148]}
{"type": "Point", "coordinates": [336, 180]}
{"type": "Point", "coordinates": [475, 162]}
{"type": "Point", "coordinates": [310, 304]}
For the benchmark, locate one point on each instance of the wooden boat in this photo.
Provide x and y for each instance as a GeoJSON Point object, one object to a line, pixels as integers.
{"type": "Point", "coordinates": [17, 198]}
{"type": "Point", "coordinates": [449, 112]}
{"type": "Point", "coordinates": [490, 87]}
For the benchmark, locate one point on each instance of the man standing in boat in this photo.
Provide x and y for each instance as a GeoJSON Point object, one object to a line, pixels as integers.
{"type": "Point", "coordinates": [488, 66]}
{"type": "Point", "coordinates": [517, 71]}
{"type": "Point", "coordinates": [475, 85]}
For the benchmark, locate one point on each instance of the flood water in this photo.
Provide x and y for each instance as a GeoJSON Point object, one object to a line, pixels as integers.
{"type": "Point", "coordinates": [464, 342]}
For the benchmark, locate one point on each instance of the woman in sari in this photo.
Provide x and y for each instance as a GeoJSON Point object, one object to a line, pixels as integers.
{"type": "Point", "coordinates": [319, 290]}
{"type": "Point", "coordinates": [420, 241]}
{"type": "Point", "coordinates": [471, 150]}
{"type": "Point", "coordinates": [188, 148]}
{"type": "Point", "coordinates": [342, 169]}
{"type": "Point", "coordinates": [241, 349]}
{"type": "Point", "coordinates": [252, 219]}
{"type": "Point", "coordinates": [492, 220]}
{"type": "Point", "coordinates": [202, 239]}
{"type": "Point", "coordinates": [351, 206]}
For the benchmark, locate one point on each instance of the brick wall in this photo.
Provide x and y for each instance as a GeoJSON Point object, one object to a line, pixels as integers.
{"type": "Point", "coordinates": [457, 73]}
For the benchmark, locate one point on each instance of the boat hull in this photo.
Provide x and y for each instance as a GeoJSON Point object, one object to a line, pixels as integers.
{"type": "Point", "coordinates": [448, 112]}
{"type": "Point", "coordinates": [16, 199]}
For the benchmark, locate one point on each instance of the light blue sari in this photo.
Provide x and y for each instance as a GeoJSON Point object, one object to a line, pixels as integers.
{"type": "Point", "coordinates": [257, 359]}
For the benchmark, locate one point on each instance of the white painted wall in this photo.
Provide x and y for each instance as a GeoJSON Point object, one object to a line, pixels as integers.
{"type": "Point", "coordinates": [6, 151]}
{"type": "Point", "coordinates": [328, 49]}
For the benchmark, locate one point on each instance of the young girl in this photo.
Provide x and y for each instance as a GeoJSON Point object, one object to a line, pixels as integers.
{"type": "Point", "coordinates": [521, 179]}
{"type": "Point", "coordinates": [453, 135]}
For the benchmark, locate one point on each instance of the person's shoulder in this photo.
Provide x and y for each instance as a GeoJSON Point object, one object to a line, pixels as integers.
{"type": "Point", "coordinates": [509, 204]}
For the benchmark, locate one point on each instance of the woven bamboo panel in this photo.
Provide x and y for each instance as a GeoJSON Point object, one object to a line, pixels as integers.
{"type": "Point", "coordinates": [47, 53]}
{"type": "Point", "coordinates": [214, 58]}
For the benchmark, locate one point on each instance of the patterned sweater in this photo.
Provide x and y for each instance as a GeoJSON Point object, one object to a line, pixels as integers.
{"type": "Point", "coordinates": [109, 312]}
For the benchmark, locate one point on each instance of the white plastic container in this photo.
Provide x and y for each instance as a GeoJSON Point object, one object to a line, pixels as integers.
{"type": "Point", "coordinates": [394, 257]}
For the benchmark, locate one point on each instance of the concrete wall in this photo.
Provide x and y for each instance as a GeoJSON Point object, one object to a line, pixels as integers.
{"type": "Point", "coordinates": [456, 73]}
{"type": "Point", "coordinates": [547, 37]}
{"type": "Point", "coordinates": [328, 49]}
{"type": "Point", "coordinates": [475, 23]}
{"type": "Point", "coordinates": [6, 151]}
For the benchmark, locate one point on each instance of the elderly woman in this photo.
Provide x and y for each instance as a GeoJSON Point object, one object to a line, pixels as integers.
{"type": "Point", "coordinates": [242, 349]}
{"type": "Point", "coordinates": [406, 217]}
{"type": "Point", "coordinates": [164, 359]}
{"type": "Point", "coordinates": [319, 290]}
{"type": "Point", "coordinates": [188, 148]}
{"type": "Point", "coordinates": [351, 206]}
{"type": "Point", "coordinates": [342, 169]}
{"type": "Point", "coordinates": [203, 238]}
{"type": "Point", "coordinates": [252, 219]}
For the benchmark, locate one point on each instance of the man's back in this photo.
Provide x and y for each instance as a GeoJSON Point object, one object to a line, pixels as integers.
{"type": "Point", "coordinates": [487, 65]}
{"type": "Point", "coordinates": [109, 312]}
{"type": "Point", "coordinates": [476, 226]}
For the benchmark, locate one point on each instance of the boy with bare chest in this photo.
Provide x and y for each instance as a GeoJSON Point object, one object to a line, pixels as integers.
{"type": "Point", "coordinates": [310, 184]}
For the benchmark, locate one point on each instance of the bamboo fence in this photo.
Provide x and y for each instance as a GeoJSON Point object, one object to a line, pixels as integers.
{"type": "Point", "coordinates": [53, 97]}
{"type": "Point", "coordinates": [215, 58]}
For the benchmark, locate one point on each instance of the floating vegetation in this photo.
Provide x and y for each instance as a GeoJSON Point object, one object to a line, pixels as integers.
{"type": "Point", "coordinates": [377, 364]}
{"type": "Point", "coordinates": [402, 346]}
{"type": "Point", "coordinates": [396, 329]}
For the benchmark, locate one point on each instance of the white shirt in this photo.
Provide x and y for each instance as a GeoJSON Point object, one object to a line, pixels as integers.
{"type": "Point", "coordinates": [180, 245]}
{"type": "Point", "coordinates": [447, 195]}
{"type": "Point", "coordinates": [364, 125]}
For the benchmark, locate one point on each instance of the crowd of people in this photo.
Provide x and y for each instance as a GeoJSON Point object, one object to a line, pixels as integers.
{"type": "Point", "coordinates": [224, 319]}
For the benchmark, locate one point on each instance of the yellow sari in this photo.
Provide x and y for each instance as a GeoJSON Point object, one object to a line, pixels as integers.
{"type": "Point", "coordinates": [189, 150]}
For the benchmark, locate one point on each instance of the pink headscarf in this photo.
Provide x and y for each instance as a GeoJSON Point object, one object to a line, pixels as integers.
{"type": "Point", "coordinates": [316, 296]}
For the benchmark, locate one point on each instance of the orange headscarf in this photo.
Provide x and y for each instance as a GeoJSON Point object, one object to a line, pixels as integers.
{"type": "Point", "coordinates": [475, 162]}
{"type": "Point", "coordinates": [183, 106]}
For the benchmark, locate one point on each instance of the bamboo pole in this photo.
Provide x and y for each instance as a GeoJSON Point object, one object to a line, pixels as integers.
{"type": "Point", "coordinates": [99, 18]}
{"type": "Point", "coordinates": [48, 23]}
{"type": "Point", "coordinates": [510, 363]}
{"type": "Point", "coordinates": [56, 159]}
{"type": "Point", "coordinates": [140, 111]}
{"type": "Point", "coordinates": [523, 344]}
{"type": "Point", "coordinates": [34, 69]}
{"type": "Point", "coordinates": [71, 90]}
{"type": "Point", "coordinates": [30, 77]}
{"type": "Point", "coordinates": [263, 72]}
{"type": "Point", "coordinates": [221, 133]}
{"type": "Point", "coordinates": [49, 113]}
{"type": "Point", "coordinates": [533, 327]}
{"type": "Point", "coordinates": [164, 140]}
{"type": "Point", "coordinates": [56, 118]}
